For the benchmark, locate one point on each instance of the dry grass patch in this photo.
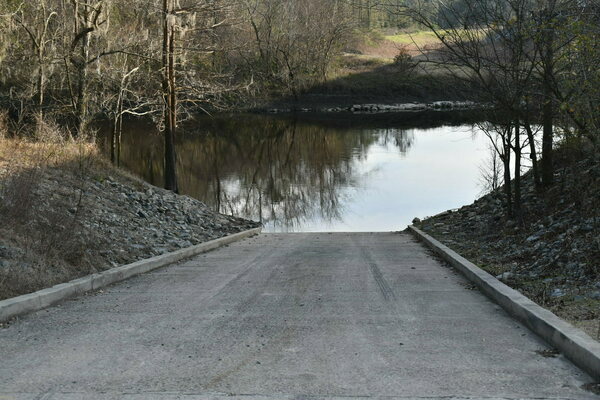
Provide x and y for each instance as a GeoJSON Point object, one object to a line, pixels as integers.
{"type": "Point", "coordinates": [42, 195]}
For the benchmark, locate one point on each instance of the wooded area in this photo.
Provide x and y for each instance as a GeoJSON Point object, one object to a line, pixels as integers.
{"type": "Point", "coordinates": [78, 59]}
{"type": "Point", "coordinates": [534, 61]}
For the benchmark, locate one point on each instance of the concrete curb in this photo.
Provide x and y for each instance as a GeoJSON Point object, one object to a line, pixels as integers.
{"type": "Point", "coordinates": [16, 306]}
{"type": "Point", "coordinates": [578, 347]}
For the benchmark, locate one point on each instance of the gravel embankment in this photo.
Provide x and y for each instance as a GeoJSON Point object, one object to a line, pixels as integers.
{"type": "Point", "coordinates": [147, 221]}
{"type": "Point", "coordinates": [554, 257]}
{"type": "Point", "coordinates": [63, 220]}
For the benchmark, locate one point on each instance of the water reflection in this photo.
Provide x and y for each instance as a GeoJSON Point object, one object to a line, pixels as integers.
{"type": "Point", "coordinates": [290, 174]}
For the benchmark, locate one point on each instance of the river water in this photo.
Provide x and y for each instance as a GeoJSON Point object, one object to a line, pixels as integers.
{"type": "Point", "coordinates": [311, 173]}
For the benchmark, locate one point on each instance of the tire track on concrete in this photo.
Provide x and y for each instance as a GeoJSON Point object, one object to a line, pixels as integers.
{"type": "Point", "coordinates": [384, 287]}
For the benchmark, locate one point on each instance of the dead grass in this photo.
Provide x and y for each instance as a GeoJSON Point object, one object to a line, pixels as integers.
{"type": "Point", "coordinates": [42, 192]}
{"type": "Point", "coordinates": [421, 39]}
{"type": "Point", "coordinates": [384, 50]}
{"type": "Point", "coordinates": [387, 47]}
{"type": "Point", "coordinates": [396, 67]}
{"type": "Point", "coordinates": [427, 40]}
{"type": "Point", "coordinates": [371, 79]}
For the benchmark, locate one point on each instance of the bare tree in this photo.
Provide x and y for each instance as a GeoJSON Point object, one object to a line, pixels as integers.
{"type": "Point", "coordinates": [169, 93]}
{"type": "Point", "coordinates": [491, 172]}
{"type": "Point", "coordinates": [494, 53]}
{"type": "Point", "coordinates": [38, 30]}
{"type": "Point", "coordinates": [295, 43]}
{"type": "Point", "coordinates": [88, 16]}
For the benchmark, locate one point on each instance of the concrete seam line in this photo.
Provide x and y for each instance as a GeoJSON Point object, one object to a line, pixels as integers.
{"type": "Point", "coordinates": [41, 299]}
{"type": "Point", "coordinates": [577, 346]}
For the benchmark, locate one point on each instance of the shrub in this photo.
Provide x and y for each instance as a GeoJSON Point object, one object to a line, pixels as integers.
{"type": "Point", "coordinates": [403, 61]}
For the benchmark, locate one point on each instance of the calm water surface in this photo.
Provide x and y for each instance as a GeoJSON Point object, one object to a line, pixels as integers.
{"type": "Point", "coordinates": [300, 175]}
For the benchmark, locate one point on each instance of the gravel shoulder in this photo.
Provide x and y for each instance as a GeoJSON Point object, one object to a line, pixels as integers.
{"type": "Point", "coordinates": [68, 213]}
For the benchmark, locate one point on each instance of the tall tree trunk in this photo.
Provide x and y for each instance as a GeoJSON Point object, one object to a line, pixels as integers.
{"type": "Point", "coordinates": [83, 28]}
{"type": "Point", "coordinates": [41, 82]}
{"type": "Point", "coordinates": [40, 87]}
{"type": "Point", "coordinates": [82, 86]}
{"type": "Point", "coordinates": [112, 139]}
{"type": "Point", "coordinates": [41, 49]}
{"type": "Point", "coordinates": [517, 180]}
{"type": "Point", "coordinates": [507, 179]}
{"type": "Point", "coordinates": [217, 176]}
{"type": "Point", "coordinates": [119, 141]}
{"type": "Point", "coordinates": [533, 156]}
{"type": "Point", "coordinates": [169, 96]}
{"type": "Point", "coordinates": [82, 98]}
{"type": "Point", "coordinates": [116, 134]}
{"type": "Point", "coordinates": [548, 106]}
{"type": "Point", "coordinates": [547, 139]}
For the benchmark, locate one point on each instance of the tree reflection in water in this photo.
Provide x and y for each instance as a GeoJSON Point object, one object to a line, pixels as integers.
{"type": "Point", "coordinates": [277, 170]}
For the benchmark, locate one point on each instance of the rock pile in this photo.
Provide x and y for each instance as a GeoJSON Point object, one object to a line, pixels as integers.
{"type": "Point", "coordinates": [387, 108]}
{"type": "Point", "coordinates": [148, 221]}
{"type": "Point", "coordinates": [80, 224]}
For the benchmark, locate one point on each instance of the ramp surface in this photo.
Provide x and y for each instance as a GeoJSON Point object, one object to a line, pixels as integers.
{"type": "Point", "coordinates": [290, 316]}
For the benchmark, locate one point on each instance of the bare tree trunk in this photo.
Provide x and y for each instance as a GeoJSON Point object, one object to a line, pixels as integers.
{"type": "Point", "coordinates": [82, 29]}
{"type": "Point", "coordinates": [82, 78]}
{"type": "Point", "coordinates": [82, 99]}
{"type": "Point", "coordinates": [547, 138]}
{"type": "Point", "coordinates": [169, 96]}
{"type": "Point", "coordinates": [41, 82]}
{"type": "Point", "coordinates": [507, 180]}
{"type": "Point", "coordinates": [533, 156]}
{"type": "Point", "coordinates": [517, 180]}
{"type": "Point", "coordinates": [41, 79]}
{"type": "Point", "coordinates": [548, 106]}
{"type": "Point", "coordinates": [115, 139]}
{"type": "Point", "coordinates": [37, 31]}
{"type": "Point", "coordinates": [112, 139]}
{"type": "Point", "coordinates": [41, 51]}
{"type": "Point", "coordinates": [217, 176]}
{"type": "Point", "coordinates": [119, 140]}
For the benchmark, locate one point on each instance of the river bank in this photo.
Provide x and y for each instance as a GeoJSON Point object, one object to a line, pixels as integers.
{"type": "Point", "coordinates": [553, 257]}
{"type": "Point", "coordinates": [378, 108]}
{"type": "Point", "coordinates": [381, 79]}
{"type": "Point", "coordinates": [66, 213]}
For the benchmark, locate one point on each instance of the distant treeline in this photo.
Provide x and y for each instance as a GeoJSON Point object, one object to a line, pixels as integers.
{"type": "Point", "coordinates": [79, 58]}
{"type": "Point", "coordinates": [71, 60]}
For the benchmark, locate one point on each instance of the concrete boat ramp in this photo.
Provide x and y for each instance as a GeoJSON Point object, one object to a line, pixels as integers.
{"type": "Point", "coordinates": [285, 316]}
